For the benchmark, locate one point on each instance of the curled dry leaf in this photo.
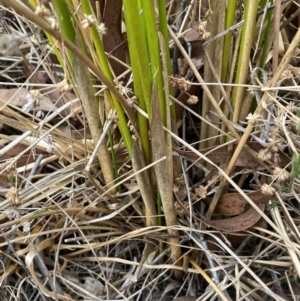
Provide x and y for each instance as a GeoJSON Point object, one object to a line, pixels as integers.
{"type": "Point", "coordinates": [238, 223]}
{"type": "Point", "coordinates": [235, 204]}
{"type": "Point", "coordinates": [235, 224]}
{"type": "Point", "coordinates": [220, 155]}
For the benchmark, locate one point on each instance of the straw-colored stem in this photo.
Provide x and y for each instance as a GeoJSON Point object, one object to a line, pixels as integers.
{"type": "Point", "coordinates": [209, 280]}
{"type": "Point", "coordinates": [85, 91]}
{"type": "Point", "coordinates": [217, 57]}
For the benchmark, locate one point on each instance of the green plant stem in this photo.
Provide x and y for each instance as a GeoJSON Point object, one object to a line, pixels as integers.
{"type": "Point", "coordinates": [122, 122]}
{"type": "Point", "coordinates": [295, 170]}
{"type": "Point", "coordinates": [138, 49]}
{"type": "Point", "coordinates": [230, 17]}
{"type": "Point", "coordinates": [163, 28]}
{"type": "Point", "coordinates": [65, 23]}
{"type": "Point", "coordinates": [154, 53]}
{"type": "Point", "coordinates": [51, 41]}
{"type": "Point", "coordinates": [244, 56]}
{"type": "Point", "coordinates": [143, 121]}
{"type": "Point", "coordinates": [265, 40]}
{"type": "Point", "coordinates": [141, 71]}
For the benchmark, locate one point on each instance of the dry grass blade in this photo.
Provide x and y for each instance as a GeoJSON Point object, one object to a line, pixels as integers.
{"type": "Point", "coordinates": [206, 277]}
{"type": "Point", "coordinates": [30, 259]}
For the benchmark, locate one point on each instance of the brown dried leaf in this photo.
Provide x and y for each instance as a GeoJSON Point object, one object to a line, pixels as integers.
{"type": "Point", "coordinates": [60, 100]}
{"type": "Point", "coordinates": [220, 155]}
{"type": "Point", "coordinates": [32, 75]}
{"type": "Point", "coordinates": [26, 158]}
{"type": "Point", "coordinates": [193, 37]}
{"type": "Point", "coordinates": [238, 223]}
{"type": "Point", "coordinates": [17, 97]}
{"type": "Point", "coordinates": [235, 204]}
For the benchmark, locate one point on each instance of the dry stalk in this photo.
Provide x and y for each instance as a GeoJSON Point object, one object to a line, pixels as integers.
{"type": "Point", "coordinates": [85, 91]}
{"type": "Point", "coordinates": [216, 56]}
{"type": "Point", "coordinates": [164, 176]}
{"type": "Point", "coordinates": [146, 189]}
